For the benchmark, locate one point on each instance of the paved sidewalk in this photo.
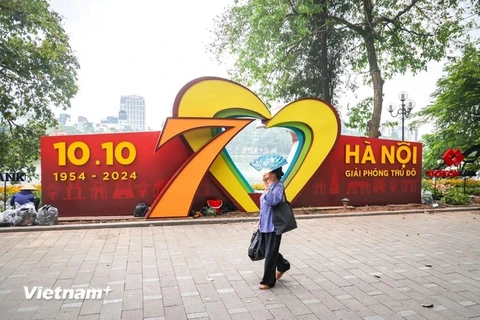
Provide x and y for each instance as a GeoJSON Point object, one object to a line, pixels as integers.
{"type": "Point", "coordinates": [104, 222]}
{"type": "Point", "coordinates": [370, 267]}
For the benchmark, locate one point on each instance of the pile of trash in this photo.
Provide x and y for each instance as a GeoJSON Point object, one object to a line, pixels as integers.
{"type": "Point", "coordinates": [427, 197]}
{"type": "Point", "coordinates": [26, 215]}
{"type": "Point", "coordinates": [47, 216]}
{"type": "Point", "coordinates": [214, 207]}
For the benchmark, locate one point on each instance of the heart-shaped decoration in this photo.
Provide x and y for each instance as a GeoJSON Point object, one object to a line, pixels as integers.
{"type": "Point", "coordinates": [315, 122]}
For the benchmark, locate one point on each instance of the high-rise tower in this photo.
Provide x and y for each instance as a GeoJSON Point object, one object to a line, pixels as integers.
{"type": "Point", "coordinates": [135, 109]}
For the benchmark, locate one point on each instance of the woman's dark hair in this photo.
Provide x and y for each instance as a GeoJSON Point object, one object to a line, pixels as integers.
{"type": "Point", "coordinates": [278, 173]}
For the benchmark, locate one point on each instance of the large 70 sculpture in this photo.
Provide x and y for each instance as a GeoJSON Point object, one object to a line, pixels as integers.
{"type": "Point", "coordinates": [209, 112]}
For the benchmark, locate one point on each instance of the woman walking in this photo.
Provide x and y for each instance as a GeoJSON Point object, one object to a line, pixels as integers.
{"type": "Point", "coordinates": [275, 264]}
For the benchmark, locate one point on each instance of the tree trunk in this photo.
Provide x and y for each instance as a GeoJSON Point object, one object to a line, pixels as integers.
{"type": "Point", "coordinates": [373, 130]}
{"type": "Point", "coordinates": [323, 47]}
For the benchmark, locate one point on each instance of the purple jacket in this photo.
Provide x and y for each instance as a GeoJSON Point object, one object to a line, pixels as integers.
{"type": "Point", "coordinates": [272, 198]}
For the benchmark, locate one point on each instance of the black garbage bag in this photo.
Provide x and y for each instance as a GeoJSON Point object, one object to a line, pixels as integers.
{"type": "Point", "coordinates": [47, 216]}
{"type": "Point", "coordinates": [140, 210]}
{"type": "Point", "coordinates": [227, 207]}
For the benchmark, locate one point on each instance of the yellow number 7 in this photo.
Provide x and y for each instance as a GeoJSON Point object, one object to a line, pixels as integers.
{"type": "Point", "coordinates": [176, 197]}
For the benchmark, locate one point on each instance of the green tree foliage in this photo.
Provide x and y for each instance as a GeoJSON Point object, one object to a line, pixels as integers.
{"type": "Point", "coordinates": [288, 53]}
{"type": "Point", "coordinates": [37, 72]}
{"type": "Point", "coordinates": [360, 115]}
{"type": "Point", "coordinates": [455, 113]}
{"type": "Point", "coordinates": [377, 39]}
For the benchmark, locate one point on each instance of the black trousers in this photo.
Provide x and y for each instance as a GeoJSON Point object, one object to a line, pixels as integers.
{"type": "Point", "coordinates": [274, 260]}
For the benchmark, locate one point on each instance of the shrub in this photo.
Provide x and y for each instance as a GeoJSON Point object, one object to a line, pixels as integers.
{"type": "Point", "coordinates": [475, 191]}
{"type": "Point", "coordinates": [443, 185]}
{"type": "Point", "coordinates": [456, 197]}
{"type": "Point", "coordinates": [427, 185]}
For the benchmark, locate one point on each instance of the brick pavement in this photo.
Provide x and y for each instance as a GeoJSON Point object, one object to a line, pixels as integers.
{"type": "Point", "coordinates": [371, 268]}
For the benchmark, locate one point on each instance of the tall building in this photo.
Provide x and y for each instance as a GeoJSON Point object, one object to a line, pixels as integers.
{"type": "Point", "coordinates": [135, 109]}
{"type": "Point", "coordinates": [64, 118]}
{"type": "Point", "coordinates": [83, 125]}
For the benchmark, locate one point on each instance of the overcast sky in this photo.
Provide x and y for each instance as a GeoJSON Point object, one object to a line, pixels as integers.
{"type": "Point", "coordinates": [152, 48]}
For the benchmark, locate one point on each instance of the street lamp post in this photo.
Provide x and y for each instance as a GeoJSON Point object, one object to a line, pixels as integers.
{"type": "Point", "coordinates": [2, 132]}
{"type": "Point", "coordinates": [404, 110]}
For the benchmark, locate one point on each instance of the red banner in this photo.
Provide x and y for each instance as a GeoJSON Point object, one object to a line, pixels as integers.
{"type": "Point", "coordinates": [108, 174]}
{"type": "Point", "coordinates": [367, 172]}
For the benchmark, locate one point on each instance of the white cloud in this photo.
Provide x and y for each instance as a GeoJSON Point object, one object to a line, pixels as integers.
{"type": "Point", "coordinates": [142, 47]}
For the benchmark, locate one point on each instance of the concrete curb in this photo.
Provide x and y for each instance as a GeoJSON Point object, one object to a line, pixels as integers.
{"type": "Point", "coordinates": [180, 222]}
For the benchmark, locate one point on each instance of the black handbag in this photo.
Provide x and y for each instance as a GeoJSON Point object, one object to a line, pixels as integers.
{"type": "Point", "coordinates": [256, 250]}
{"type": "Point", "coordinates": [283, 217]}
